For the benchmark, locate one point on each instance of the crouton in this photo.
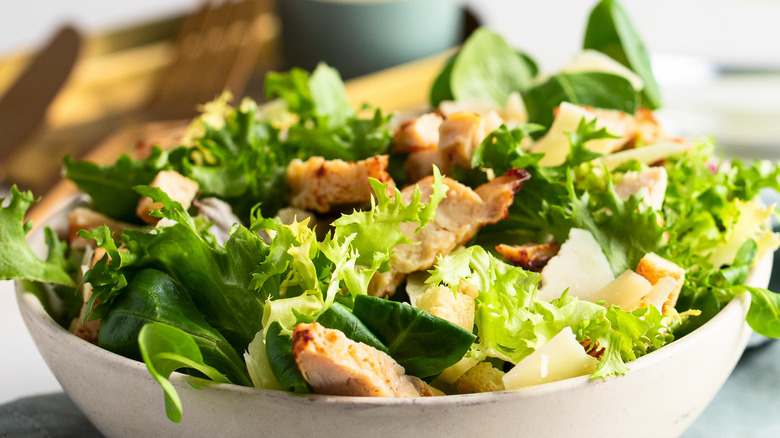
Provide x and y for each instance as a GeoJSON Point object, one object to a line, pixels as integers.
{"type": "Point", "coordinates": [179, 188]}
{"type": "Point", "coordinates": [457, 308]}
{"type": "Point", "coordinates": [480, 378]}
{"type": "Point", "coordinates": [654, 267]}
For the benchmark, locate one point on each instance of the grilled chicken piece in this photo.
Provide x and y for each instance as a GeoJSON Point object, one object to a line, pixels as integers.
{"type": "Point", "coordinates": [420, 134]}
{"type": "Point", "coordinates": [178, 187]}
{"type": "Point", "coordinates": [652, 181]}
{"type": "Point", "coordinates": [334, 364]}
{"type": "Point", "coordinates": [530, 256]}
{"type": "Point", "coordinates": [420, 164]}
{"type": "Point", "coordinates": [458, 218]}
{"type": "Point", "coordinates": [459, 136]}
{"type": "Point", "coordinates": [318, 184]}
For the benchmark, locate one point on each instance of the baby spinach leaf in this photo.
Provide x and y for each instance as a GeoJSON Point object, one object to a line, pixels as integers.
{"type": "Point", "coordinates": [420, 342]}
{"type": "Point", "coordinates": [441, 90]}
{"type": "Point", "coordinates": [166, 349]}
{"type": "Point", "coordinates": [764, 313]}
{"type": "Point", "coordinates": [487, 68]}
{"type": "Point", "coordinates": [153, 296]}
{"type": "Point", "coordinates": [340, 318]}
{"type": "Point", "coordinates": [601, 90]}
{"type": "Point", "coordinates": [705, 302]}
{"type": "Point", "coordinates": [611, 32]}
{"type": "Point", "coordinates": [111, 187]}
{"type": "Point", "coordinates": [17, 261]}
{"type": "Point", "coordinates": [739, 270]}
{"type": "Point", "coordinates": [278, 347]}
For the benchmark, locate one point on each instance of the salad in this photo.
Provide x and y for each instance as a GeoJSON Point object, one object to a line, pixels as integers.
{"type": "Point", "coordinates": [528, 228]}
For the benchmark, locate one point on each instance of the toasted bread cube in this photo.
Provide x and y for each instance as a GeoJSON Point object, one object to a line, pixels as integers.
{"type": "Point", "coordinates": [654, 267]}
{"type": "Point", "coordinates": [483, 377]}
{"type": "Point", "coordinates": [457, 308]}
{"type": "Point", "coordinates": [178, 187]}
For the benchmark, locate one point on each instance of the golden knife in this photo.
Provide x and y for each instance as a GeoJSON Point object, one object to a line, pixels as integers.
{"type": "Point", "coordinates": [23, 106]}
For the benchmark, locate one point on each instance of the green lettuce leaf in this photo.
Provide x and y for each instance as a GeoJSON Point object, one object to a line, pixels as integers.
{"type": "Point", "coordinates": [379, 226]}
{"type": "Point", "coordinates": [17, 261]}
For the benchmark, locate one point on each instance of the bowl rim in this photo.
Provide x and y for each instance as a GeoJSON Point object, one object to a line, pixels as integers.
{"type": "Point", "coordinates": [30, 304]}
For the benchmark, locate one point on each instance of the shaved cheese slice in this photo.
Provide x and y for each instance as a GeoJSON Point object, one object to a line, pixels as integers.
{"type": "Point", "coordinates": [453, 373]}
{"type": "Point", "coordinates": [580, 266]}
{"type": "Point", "coordinates": [625, 291]}
{"type": "Point", "coordinates": [562, 357]}
{"type": "Point", "coordinates": [660, 292]}
{"type": "Point", "coordinates": [556, 145]}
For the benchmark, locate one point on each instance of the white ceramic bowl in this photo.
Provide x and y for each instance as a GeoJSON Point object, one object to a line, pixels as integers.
{"type": "Point", "coordinates": [659, 397]}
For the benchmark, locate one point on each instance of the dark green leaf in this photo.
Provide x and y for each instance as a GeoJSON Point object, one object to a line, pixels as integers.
{"type": "Point", "coordinates": [341, 318]}
{"type": "Point", "coordinates": [600, 90]}
{"type": "Point", "coordinates": [217, 278]}
{"type": "Point", "coordinates": [153, 296]}
{"type": "Point", "coordinates": [278, 349]}
{"type": "Point", "coordinates": [764, 313]}
{"type": "Point", "coordinates": [420, 342]}
{"type": "Point", "coordinates": [166, 349]}
{"type": "Point", "coordinates": [706, 302]}
{"type": "Point", "coordinates": [441, 91]}
{"type": "Point", "coordinates": [611, 32]}
{"type": "Point", "coordinates": [486, 68]}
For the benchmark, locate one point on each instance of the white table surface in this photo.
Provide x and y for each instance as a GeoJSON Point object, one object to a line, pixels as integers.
{"type": "Point", "coordinates": [22, 370]}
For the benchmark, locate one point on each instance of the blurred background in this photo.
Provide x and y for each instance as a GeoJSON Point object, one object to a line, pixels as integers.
{"type": "Point", "coordinates": [137, 62]}
{"type": "Point", "coordinates": [90, 78]}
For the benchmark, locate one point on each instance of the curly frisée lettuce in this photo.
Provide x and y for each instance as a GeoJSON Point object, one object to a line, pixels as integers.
{"type": "Point", "coordinates": [511, 322]}
{"type": "Point", "coordinates": [235, 308]}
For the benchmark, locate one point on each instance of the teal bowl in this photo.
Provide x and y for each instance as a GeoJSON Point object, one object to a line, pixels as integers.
{"type": "Point", "coordinates": [362, 36]}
